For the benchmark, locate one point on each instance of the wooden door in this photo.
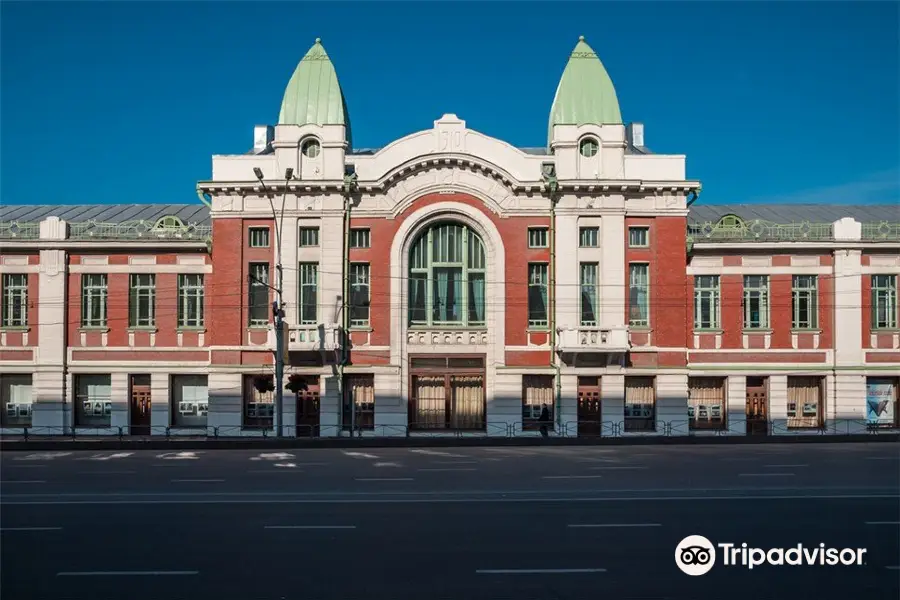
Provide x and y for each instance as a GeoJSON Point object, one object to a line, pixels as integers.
{"type": "Point", "coordinates": [757, 406]}
{"type": "Point", "coordinates": [308, 409]}
{"type": "Point", "coordinates": [589, 413]}
{"type": "Point", "coordinates": [140, 405]}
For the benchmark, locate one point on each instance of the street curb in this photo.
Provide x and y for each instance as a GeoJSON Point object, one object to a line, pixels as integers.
{"type": "Point", "coordinates": [8, 445]}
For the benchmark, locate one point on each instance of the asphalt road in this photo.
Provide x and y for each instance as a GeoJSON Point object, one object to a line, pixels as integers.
{"type": "Point", "coordinates": [468, 523]}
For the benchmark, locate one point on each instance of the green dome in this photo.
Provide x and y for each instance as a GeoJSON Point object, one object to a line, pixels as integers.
{"type": "Point", "coordinates": [585, 93]}
{"type": "Point", "coordinates": [313, 95]}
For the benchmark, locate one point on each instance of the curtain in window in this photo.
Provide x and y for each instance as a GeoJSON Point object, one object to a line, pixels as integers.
{"type": "Point", "coordinates": [640, 404]}
{"type": "Point", "coordinates": [538, 391]}
{"type": "Point", "coordinates": [706, 401]}
{"type": "Point", "coordinates": [476, 298]}
{"type": "Point", "coordinates": [467, 396]}
{"type": "Point", "coordinates": [430, 402]}
{"type": "Point", "coordinates": [441, 292]}
{"type": "Point", "coordinates": [362, 392]}
{"type": "Point", "coordinates": [804, 405]}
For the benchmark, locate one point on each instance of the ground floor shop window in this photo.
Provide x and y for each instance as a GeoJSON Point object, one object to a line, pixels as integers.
{"type": "Point", "coordinates": [16, 399]}
{"type": "Point", "coordinates": [882, 402]}
{"type": "Point", "coordinates": [447, 393]}
{"type": "Point", "coordinates": [640, 404]}
{"type": "Point", "coordinates": [190, 400]}
{"type": "Point", "coordinates": [706, 402]}
{"type": "Point", "coordinates": [359, 393]}
{"type": "Point", "coordinates": [259, 407]}
{"type": "Point", "coordinates": [537, 393]}
{"type": "Point", "coordinates": [804, 404]}
{"type": "Point", "coordinates": [93, 400]}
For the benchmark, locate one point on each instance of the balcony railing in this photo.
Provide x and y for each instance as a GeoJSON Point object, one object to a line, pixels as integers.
{"type": "Point", "coordinates": [128, 230]}
{"type": "Point", "coordinates": [758, 230]}
{"type": "Point", "coordinates": [594, 339]}
{"type": "Point", "coordinates": [302, 338]}
{"type": "Point", "coordinates": [13, 230]}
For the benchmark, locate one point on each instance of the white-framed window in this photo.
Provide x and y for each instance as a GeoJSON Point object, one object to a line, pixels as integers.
{"type": "Point", "coordinates": [805, 302]}
{"type": "Point", "coordinates": [190, 300]}
{"type": "Point", "coordinates": [537, 393]}
{"type": "Point", "coordinates": [190, 400]}
{"type": "Point", "coordinates": [588, 237]}
{"type": "Point", "coordinates": [15, 300]}
{"type": "Point", "coordinates": [640, 404]}
{"type": "Point", "coordinates": [93, 400]}
{"type": "Point", "coordinates": [537, 237]}
{"type": "Point", "coordinates": [639, 294]}
{"type": "Point", "coordinates": [258, 291]}
{"type": "Point", "coordinates": [311, 148]}
{"type": "Point", "coordinates": [804, 402]}
{"type": "Point", "coordinates": [359, 295]}
{"type": "Point", "coordinates": [538, 286]}
{"type": "Point", "coordinates": [309, 293]}
{"type": "Point", "coordinates": [590, 300]}
{"type": "Point", "coordinates": [259, 407]}
{"type": "Point", "coordinates": [884, 301]}
{"type": "Point", "coordinates": [16, 400]}
{"type": "Point", "coordinates": [706, 302]}
{"type": "Point", "coordinates": [706, 402]}
{"type": "Point", "coordinates": [360, 238]}
{"type": "Point", "coordinates": [142, 300]}
{"type": "Point", "coordinates": [94, 299]}
{"type": "Point", "coordinates": [589, 147]}
{"type": "Point", "coordinates": [259, 237]}
{"type": "Point", "coordinates": [638, 237]}
{"type": "Point", "coordinates": [756, 301]}
{"type": "Point", "coordinates": [309, 237]}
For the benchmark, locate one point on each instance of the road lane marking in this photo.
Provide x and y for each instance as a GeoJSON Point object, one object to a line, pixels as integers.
{"type": "Point", "coordinates": [275, 471]}
{"type": "Point", "coordinates": [358, 454]}
{"type": "Point", "coordinates": [784, 466]}
{"type": "Point", "coordinates": [197, 480]}
{"type": "Point", "coordinates": [106, 472]}
{"type": "Point", "coordinates": [897, 568]}
{"type": "Point", "coordinates": [596, 525]}
{"type": "Point", "coordinates": [394, 465]}
{"type": "Point", "coordinates": [22, 481]}
{"type": "Point", "coordinates": [741, 459]}
{"type": "Point", "coordinates": [178, 456]}
{"type": "Point", "coordinates": [883, 458]}
{"type": "Point", "coordinates": [882, 522]}
{"type": "Point", "coordinates": [125, 573]}
{"type": "Point", "coordinates": [571, 476]}
{"type": "Point", "coordinates": [25, 466]}
{"type": "Point", "coordinates": [273, 456]}
{"type": "Point", "coordinates": [449, 469]}
{"type": "Point", "coordinates": [30, 528]}
{"type": "Point", "coordinates": [616, 468]}
{"type": "Point", "coordinates": [455, 462]}
{"type": "Point", "coordinates": [438, 453]}
{"type": "Point", "coordinates": [310, 527]}
{"type": "Point", "coordinates": [766, 475]}
{"type": "Point", "coordinates": [384, 479]}
{"type": "Point", "coordinates": [43, 456]}
{"type": "Point", "coordinates": [107, 456]}
{"type": "Point", "coordinates": [536, 571]}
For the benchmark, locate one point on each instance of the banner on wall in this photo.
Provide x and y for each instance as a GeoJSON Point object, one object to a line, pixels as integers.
{"type": "Point", "coordinates": [880, 404]}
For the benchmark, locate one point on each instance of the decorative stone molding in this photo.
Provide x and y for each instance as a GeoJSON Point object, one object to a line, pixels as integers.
{"type": "Point", "coordinates": [596, 339]}
{"type": "Point", "coordinates": [447, 337]}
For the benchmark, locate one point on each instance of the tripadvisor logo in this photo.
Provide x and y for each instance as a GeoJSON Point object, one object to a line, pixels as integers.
{"type": "Point", "coordinates": [696, 555]}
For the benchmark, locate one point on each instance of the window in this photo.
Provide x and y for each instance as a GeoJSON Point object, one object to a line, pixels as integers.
{"type": "Point", "coordinates": [94, 298]}
{"type": "Point", "coordinates": [588, 237]}
{"type": "Point", "coordinates": [190, 400]}
{"type": "Point", "coordinates": [639, 295]}
{"type": "Point", "coordinates": [538, 285]}
{"type": "Point", "coordinates": [589, 147]}
{"type": "Point", "coordinates": [884, 302]}
{"type": "Point", "coordinates": [359, 295]}
{"type": "Point", "coordinates": [259, 407]}
{"type": "Point", "coordinates": [447, 277]}
{"type": "Point", "coordinates": [16, 400]}
{"type": "Point", "coordinates": [589, 297]}
{"type": "Point", "coordinates": [537, 392]}
{"type": "Point", "coordinates": [309, 237]}
{"type": "Point", "coordinates": [309, 293]}
{"type": "Point", "coordinates": [537, 237]}
{"type": "Point", "coordinates": [142, 300]}
{"type": "Point", "coordinates": [259, 237]}
{"type": "Point", "coordinates": [805, 302]}
{"type": "Point", "coordinates": [447, 401]}
{"type": "Point", "coordinates": [804, 402]}
{"type": "Point", "coordinates": [706, 302]}
{"type": "Point", "coordinates": [756, 302]}
{"type": "Point", "coordinates": [15, 299]}
{"type": "Point", "coordinates": [640, 404]}
{"type": "Point", "coordinates": [360, 238]}
{"type": "Point", "coordinates": [190, 300]}
{"type": "Point", "coordinates": [311, 148]}
{"type": "Point", "coordinates": [706, 402]}
{"type": "Point", "coordinates": [359, 393]}
{"type": "Point", "coordinates": [638, 237]}
{"type": "Point", "coordinates": [881, 401]}
{"type": "Point", "coordinates": [93, 400]}
{"type": "Point", "coordinates": [259, 294]}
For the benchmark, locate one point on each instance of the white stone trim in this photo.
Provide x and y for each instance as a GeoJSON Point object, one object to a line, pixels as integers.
{"type": "Point", "coordinates": [762, 270]}
{"type": "Point", "coordinates": [142, 268]}
{"type": "Point", "coordinates": [880, 270]}
{"type": "Point", "coordinates": [8, 268]}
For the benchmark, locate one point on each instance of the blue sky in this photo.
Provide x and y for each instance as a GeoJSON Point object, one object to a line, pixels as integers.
{"type": "Point", "coordinates": [105, 102]}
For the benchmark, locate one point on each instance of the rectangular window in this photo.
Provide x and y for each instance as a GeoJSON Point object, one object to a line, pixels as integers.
{"type": "Point", "coordinates": [190, 400]}
{"type": "Point", "coordinates": [804, 402]}
{"type": "Point", "coordinates": [190, 300]}
{"type": "Point", "coordinates": [309, 237]}
{"type": "Point", "coordinates": [805, 301]}
{"type": "Point", "coordinates": [360, 238]}
{"type": "Point", "coordinates": [589, 294]}
{"type": "Point", "coordinates": [142, 300]}
{"type": "Point", "coordinates": [706, 402]}
{"type": "Point", "coordinates": [538, 285]}
{"type": "Point", "coordinates": [706, 302]}
{"type": "Point", "coordinates": [640, 404]}
{"type": "Point", "coordinates": [884, 302]}
{"type": "Point", "coordinates": [259, 407]}
{"type": "Point", "coordinates": [16, 400]}
{"type": "Point", "coordinates": [359, 392]}
{"type": "Point", "coordinates": [309, 293]}
{"type": "Point", "coordinates": [15, 299]}
{"type": "Point", "coordinates": [359, 295]}
{"type": "Point", "coordinates": [93, 400]}
{"type": "Point", "coordinates": [881, 402]}
{"type": "Point", "coordinates": [259, 237]}
{"type": "Point", "coordinates": [537, 237]}
{"type": "Point", "coordinates": [638, 237]}
{"type": "Point", "coordinates": [639, 295]}
{"type": "Point", "coordinates": [259, 294]}
{"type": "Point", "coordinates": [588, 237]}
{"type": "Point", "coordinates": [447, 402]}
{"type": "Point", "coordinates": [537, 393]}
{"type": "Point", "coordinates": [94, 298]}
{"type": "Point", "coordinates": [756, 301]}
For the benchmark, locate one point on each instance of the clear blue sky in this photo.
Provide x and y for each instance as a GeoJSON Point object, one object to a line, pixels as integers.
{"type": "Point", "coordinates": [108, 102]}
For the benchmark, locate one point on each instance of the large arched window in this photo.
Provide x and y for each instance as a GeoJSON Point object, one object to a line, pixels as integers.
{"type": "Point", "coordinates": [446, 277]}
